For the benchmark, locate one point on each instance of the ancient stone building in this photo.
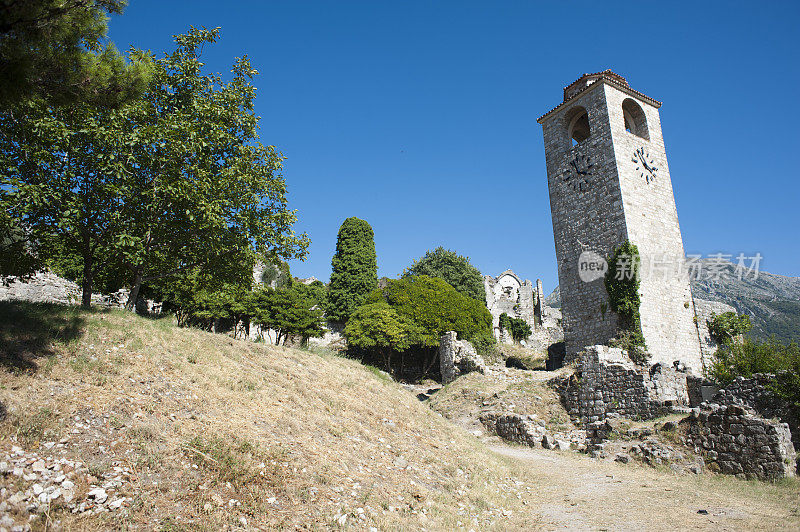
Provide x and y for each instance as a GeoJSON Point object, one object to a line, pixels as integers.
{"type": "Point", "coordinates": [609, 182]}
{"type": "Point", "coordinates": [509, 294]}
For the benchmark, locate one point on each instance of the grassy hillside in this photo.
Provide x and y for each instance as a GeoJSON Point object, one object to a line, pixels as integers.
{"type": "Point", "coordinates": [292, 437]}
{"type": "Point", "coordinates": [187, 430]}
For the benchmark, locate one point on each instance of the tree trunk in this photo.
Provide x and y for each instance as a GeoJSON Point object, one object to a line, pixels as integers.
{"type": "Point", "coordinates": [137, 285]}
{"type": "Point", "coordinates": [88, 274]}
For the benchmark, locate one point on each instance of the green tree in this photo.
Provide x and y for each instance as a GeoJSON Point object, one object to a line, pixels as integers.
{"type": "Point", "coordinates": [455, 269]}
{"type": "Point", "coordinates": [378, 327]}
{"type": "Point", "coordinates": [62, 177]}
{"type": "Point", "coordinates": [166, 184]}
{"type": "Point", "coordinates": [204, 186]}
{"type": "Point", "coordinates": [355, 269]}
{"type": "Point", "coordinates": [287, 312]}
{"type": "Point", "coordinates": [435, 308]}
{"type": "Point", "coordinates": [54, 50]}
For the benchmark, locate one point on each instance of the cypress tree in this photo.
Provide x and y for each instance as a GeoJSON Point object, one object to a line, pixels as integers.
{"type": "Point", "coordinates": [355, 269]}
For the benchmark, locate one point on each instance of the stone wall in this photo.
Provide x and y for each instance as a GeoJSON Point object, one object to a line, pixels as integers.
{"type": "Point", "coordinates": [457, 357]}
{"type": "Point", "coordinates": [607, 382]}
{"type": "Point", "coordinates": [47, 287]}
{"type": "Point", "coordinates": [705, 310]}
{"type": "Point", "coordinates": [742, 443]}
{"type": "Point", "coordinates": [754, 393]}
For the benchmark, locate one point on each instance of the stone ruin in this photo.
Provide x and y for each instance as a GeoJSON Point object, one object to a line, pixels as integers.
{"type": "Point", "coordinates": [457, 357]}
{"type": "Point", "coordinates": [508, 293]}
{"type": "Point", "coordinates": [743, 429]}
{"type": "Point", "coordinates": [606, 382]}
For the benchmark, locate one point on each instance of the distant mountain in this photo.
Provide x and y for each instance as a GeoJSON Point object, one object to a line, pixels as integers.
{"type": "Point", "coordinates": [772, 301]}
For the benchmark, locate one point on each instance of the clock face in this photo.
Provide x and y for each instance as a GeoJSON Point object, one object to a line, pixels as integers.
{"type": "Point", "coordinates": [645, 165]}
{"type": "Point", "coordinates": [579, 173]}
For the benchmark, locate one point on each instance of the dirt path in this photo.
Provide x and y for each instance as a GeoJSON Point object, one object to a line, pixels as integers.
{"type": "Point", "coordinates": [578, 493]}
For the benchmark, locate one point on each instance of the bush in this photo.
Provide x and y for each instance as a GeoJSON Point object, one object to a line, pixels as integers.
{"type": "Point", "coordinates": [355, 269]}
{"type": "Point", "coordinates": [409, 316]}
{"type": "Point", "coordinates": [727, 326]}
{"type": "Point", "coordinates": [743, 359]}
{"type": "Point", "coordinates": [518, 328]}
{"type": "Point", "coordinates": [453, 268]}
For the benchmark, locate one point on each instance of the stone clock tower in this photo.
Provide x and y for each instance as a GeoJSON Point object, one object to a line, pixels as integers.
{"type": "Point", "coordinates": [609, 182]}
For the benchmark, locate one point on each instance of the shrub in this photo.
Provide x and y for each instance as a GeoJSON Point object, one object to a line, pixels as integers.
{"type": "Point", "coordinates": [727, 326]}
{"type": "Point", "coordinates": [743, 359]}
{"type": "Point", "coordinates": [355, 269]}
{"type": "Point", "coordinates": [455, 269]}
{"type": "Point", "coordinates": [518, 328]}
{"type": "Point", "coordinates": [287, 311]}
{"type": "Point", "coordinates": [419, 309]}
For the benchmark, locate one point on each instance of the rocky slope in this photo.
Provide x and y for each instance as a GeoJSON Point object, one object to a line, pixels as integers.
{"type": "Point", "coordinates": [772, 301]}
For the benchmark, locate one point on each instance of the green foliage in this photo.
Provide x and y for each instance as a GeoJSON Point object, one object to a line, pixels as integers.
{"type": "Point", "coordinates": [622, 285]}
{"type": "Point", "coordinates": [725, 327]}
{"type": "Point", "coordinates": [435, 307]}
{"type": "Point", "coordinates": [276, 274]}
{"type": "Point", "coordinates": [55, 50]}
{"type": "Point", "coordinates": [743, 359]}
{"type": "Point", "coordinates": [455, 269]}
{"type": "Point", "coordinates": [355, 269]}
{"type": "Point", "coordinates": [633, 343]}
{"type": "Point", "coordinates": [518, 328]}
{"type": "Point", "coordinates": [485, 345]}
{"type": "Point", "coordinates": [378, 326]}
{"type": "Point", "coordinates": [172, 182]}
{"type": "Point", "coordinates": [286, 310]}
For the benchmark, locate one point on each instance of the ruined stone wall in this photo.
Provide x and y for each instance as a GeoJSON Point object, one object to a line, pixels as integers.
{"type": "Point", "coordinates": [457, 357]}
{"type": "Point", "coordinates": [47, 287]}
{"type": "Point", "coordinates": [509, 294]}
{"type": "Point", "coordinates": [705, 310]}
{"type": "Point", "coordinates": [606, 382]}
{"type": "Point", "coordinates": [742, 443]}
{"type": "Point", "coordinates": [754, 393]}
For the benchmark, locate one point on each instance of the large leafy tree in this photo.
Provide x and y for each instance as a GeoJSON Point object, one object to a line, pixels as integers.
{"type": "Point", "coordinates": [423, 309]}
{"type": "Point", "coordinates": [435, 308]}
{"type": "Point", "coordinates": [204, 187]}
{"type": "Point", "coordinates": [54, 50]}
{"type": "Point", "coordinates": [63, 173]}
{"type": "Point", "coordinates": [171, 183]}
{"type": "Point", "coordinates": [355, 269]}
{"type": "Point", "coordinates": [455, 269]}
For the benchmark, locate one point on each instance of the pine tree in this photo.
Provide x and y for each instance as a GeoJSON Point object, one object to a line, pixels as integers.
{"type": "Point", "coordinates": [355, 269]}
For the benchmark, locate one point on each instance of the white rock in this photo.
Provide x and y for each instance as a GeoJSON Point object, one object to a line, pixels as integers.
{"type": "Point", "coordinates": [98, 494]}
{"type": "Point", "coordinates": [67, 484]}
{"type": "Point", "coordinates": [114, 505]}
{"type": "Point", "coordinates": [39, 465]}
{"type": "Point", "coordinates": [55, 494]}
{"type": "Point", "coordinates": [37, 489]}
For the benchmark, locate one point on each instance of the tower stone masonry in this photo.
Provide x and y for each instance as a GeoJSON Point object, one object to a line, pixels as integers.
{"type": "Point", "coordinates": [609, 182]}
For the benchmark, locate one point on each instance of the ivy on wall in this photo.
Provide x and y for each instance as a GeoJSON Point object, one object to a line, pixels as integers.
{"type": "Point", "coordinates": [622, 285]}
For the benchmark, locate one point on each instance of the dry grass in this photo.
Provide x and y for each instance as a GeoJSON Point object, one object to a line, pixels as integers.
{"type": "Point", "coordinates": [522, 392]}
{"type": "Point", "coordinates": [217, 430]}
{"type": "Point", "coordinates": [292, 437]}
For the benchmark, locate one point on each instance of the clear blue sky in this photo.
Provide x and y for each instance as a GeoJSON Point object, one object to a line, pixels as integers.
{"type": "Point", "coordinates": [420, 117]}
